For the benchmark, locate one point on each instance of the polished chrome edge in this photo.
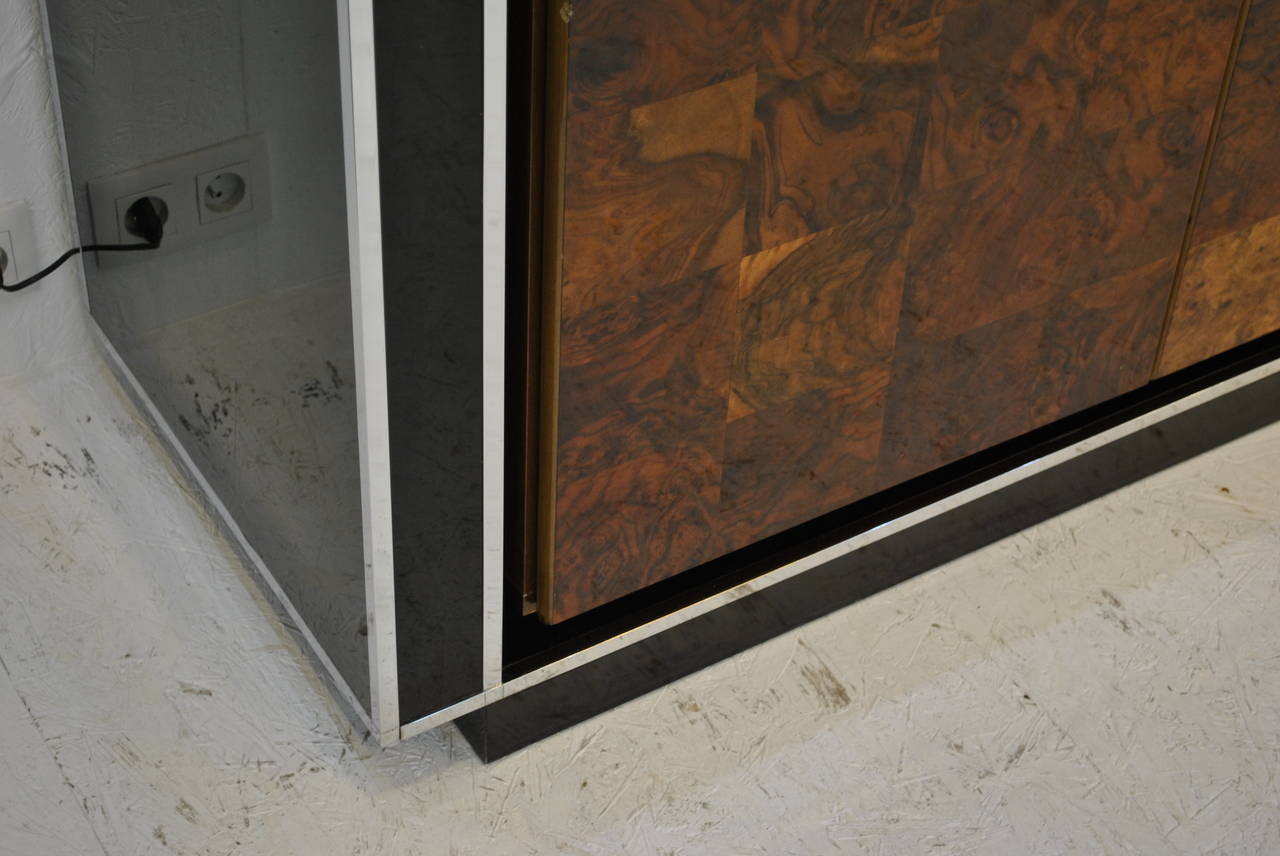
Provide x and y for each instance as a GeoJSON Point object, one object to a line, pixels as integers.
{"type": "Point", "coordinates": [863, 539]}
{"type": "Point", "coordinates": [494, 326]}
{"type": "Point", "coordinates": [364, 225]}
{"type": "Point", "coordinates": [213, 505]}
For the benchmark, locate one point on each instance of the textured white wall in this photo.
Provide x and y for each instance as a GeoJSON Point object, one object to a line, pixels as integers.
{"type": "Point", "coordinates": [47, 324]}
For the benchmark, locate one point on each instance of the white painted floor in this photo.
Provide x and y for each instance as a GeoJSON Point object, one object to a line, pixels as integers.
{"type": "Point", "coordinates": [1108, 682]}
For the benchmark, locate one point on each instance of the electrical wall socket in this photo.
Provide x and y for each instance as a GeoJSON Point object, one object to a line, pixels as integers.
{"type": "Point", "coordinates": [206, 194]}
{"type": "Point", "coordinates": [225, 192]}
{"type": "Point", "coordinates": [173, 224]}
{"type": "Point", "coordinates": [18, 242]}
{"type": "Point", "coordinates": [6, 259]}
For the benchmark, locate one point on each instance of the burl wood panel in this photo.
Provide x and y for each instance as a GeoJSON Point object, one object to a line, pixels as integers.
{"type": "Point", "coordinates": [960, 394]}
{"type": "Point", "coordinates": [813, 248]}
{"type": "Point", "coordinates": [1229, 295]}
{"type": "Point", "coordinates": [642, 424]}
{"type": "Point", "coordinates": [1230, 289]}
{"type": "Point", "coordinates": [656, 193]}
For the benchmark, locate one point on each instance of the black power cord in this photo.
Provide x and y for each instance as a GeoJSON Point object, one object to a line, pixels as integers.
{"type": "Point", "coordinates": [145, 218]}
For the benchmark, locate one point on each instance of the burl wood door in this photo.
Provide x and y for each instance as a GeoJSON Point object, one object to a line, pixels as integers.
{"type": "Point", "coordinates": [1229, 292]}
{"type": "Point", "coordinates": [809, 249]}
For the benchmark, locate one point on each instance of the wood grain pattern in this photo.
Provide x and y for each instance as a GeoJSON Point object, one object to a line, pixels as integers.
{"type": "Point", "coordinates": [777, 476]}
{"type": "Point", "coordinates": [916, 228]}
{"type": "Point", "coordinates": [991, 246]}
{"type": "Point", "coordinates": [655, 194]}
{"type": "Point", "coordinates": [1153, 57]}
{"type": "Point", "coordinates": [795, 34]}
{"type": "Point", "coordinates": [956, 396]}
{"type": "Point", "coordinates": [1227, 295]}
{"type": "Point", "coordinates": [1013, 80]}
{"type": "Point", "coordinates": [828, 148]}
{"type": "Point", "coordinates": [814, 312]}
{"type": "Point", "coordinates": [1135, 188]}
{"type": "Point", "coordinates": [623, 54]}
{"type": "Point", "coordinates": [1244, 183]}
{"type": "Point", "coordinates": [642, 421]}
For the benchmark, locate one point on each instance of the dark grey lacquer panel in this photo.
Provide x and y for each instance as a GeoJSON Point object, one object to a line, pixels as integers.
{"type": "Point", "coordinates": [244, 342]}
{"type": "Point", "coordinates": [430, 125]}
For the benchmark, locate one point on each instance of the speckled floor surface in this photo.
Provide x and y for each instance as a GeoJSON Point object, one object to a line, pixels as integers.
{"type": "Point", "coordinates": [1108, 682]}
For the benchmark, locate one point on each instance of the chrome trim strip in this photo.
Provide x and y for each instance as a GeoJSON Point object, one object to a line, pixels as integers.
{"type": "Point", "coordinates": [449, 714]}
{"type": "Point", "coordinates": [364, 224]}
{"type": "Point", "coordinates": [214, 506]}
{"type": "Point", "coordinates": [857, 542]}
{"type": "Point", "coordinates": [494, 330]}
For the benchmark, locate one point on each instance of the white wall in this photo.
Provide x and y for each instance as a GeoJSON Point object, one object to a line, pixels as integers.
{"type": "Point", "coordinates": [47, 324]}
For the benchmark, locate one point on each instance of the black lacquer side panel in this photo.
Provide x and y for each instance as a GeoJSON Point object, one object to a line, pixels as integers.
{"type": "Point", "coordinates": [430, 124]}
{"type": "Point", "coordinates": [577, 695]}
{"type": "Point", "coordinates": [242, 342]}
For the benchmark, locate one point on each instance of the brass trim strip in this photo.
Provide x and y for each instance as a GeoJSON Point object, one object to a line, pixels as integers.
{"type": "Point", "coordinates": [1206, 168]}
{"type": "Point", "coordinates": [526, 272]}
{"type": "Point", "coordinates": [559, 13]}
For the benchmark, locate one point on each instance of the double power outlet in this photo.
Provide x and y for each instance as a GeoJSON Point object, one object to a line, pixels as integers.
{"type": "Point", "coordinates": [201, 196]}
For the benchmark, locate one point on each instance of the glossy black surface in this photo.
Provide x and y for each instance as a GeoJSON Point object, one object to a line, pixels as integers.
{"type": "Point", "coordinates": [242, 342]}
{"type": "Point", "coordinates": [574, 696]}
{"type": "Point", "coordinates": [430, 124]}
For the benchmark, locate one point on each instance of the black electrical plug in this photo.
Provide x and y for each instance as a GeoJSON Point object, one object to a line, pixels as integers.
{"type": "Point", "coordinates": [146, 218]}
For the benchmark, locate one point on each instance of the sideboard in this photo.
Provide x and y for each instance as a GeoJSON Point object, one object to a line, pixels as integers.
{"type": "Point", "coordinates": [784, 277]}
{"type": "Point", "coordinates": [676, 324]}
